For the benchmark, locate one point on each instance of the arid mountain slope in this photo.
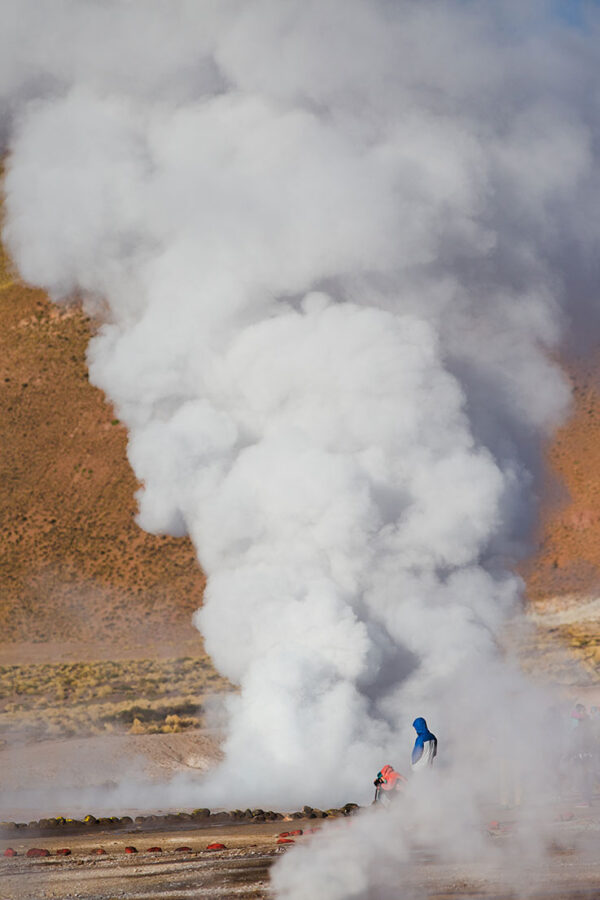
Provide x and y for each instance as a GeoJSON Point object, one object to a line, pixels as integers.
{"type": "Point", "coordinates": [77, 572]}
{"type": "Point", "coordinates": [567, 561]}
{"type": "Point", "coordinates": [74, 566]}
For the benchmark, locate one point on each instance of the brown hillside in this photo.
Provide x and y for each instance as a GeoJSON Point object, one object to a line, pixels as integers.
{"type": "Point", "coordinates": [568, 558]}
{"type": "Point", "coordinates": [75, 569]}
{"type": "Point", "coordinates": [74, 565]}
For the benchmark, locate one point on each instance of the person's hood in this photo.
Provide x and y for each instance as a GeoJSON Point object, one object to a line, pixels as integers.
{"type": "Point", "coordinates": [420, 726]}
{"type": "Point", "coordinates": [423, 737]}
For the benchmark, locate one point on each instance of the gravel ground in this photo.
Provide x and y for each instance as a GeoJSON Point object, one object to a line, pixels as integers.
{"type": "Point", "coordinates": [570, 871]}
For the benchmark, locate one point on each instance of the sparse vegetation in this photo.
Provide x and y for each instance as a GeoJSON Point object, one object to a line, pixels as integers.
{"type": "Point", "coordinates": [140, 696]}
{"type": "Point", "coordinates": [567, 655]}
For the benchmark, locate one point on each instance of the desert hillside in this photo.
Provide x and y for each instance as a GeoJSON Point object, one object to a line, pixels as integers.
{"type": "Point", "coordinates": [567, 561]}
{"type": "Point", "coordinates": [80, 580]}
{"type": "Point", "coordinates": [74, 565]}
{"type": "Point", "coordinates": [96, 633]}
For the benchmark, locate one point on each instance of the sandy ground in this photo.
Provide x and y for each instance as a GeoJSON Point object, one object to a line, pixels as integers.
{"type": "Point", "coordinates": [571, 870]}
{"type": "Point", "coordinates": [28, 652]}
{"type": "Point", "coordinates": [71, 776]}
{"type": "Point", "coordinates": [240, 870]}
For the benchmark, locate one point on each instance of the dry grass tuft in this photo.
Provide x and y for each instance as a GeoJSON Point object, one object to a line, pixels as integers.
{"type": "Point", "coordinates": [141, 696]}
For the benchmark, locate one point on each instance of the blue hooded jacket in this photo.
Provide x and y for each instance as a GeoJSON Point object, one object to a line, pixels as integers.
{"type": "Point", "coordinates": [423, 735]}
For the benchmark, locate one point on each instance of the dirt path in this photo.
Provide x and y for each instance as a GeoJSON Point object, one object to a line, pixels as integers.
{"type": "Point", "coordinates": [71, 777]}
{"type": "Point", "coordinates": [242, 869]}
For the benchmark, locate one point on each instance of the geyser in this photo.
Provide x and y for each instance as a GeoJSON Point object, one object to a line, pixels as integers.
{"type": "Point", "coordinates": [335, 247]}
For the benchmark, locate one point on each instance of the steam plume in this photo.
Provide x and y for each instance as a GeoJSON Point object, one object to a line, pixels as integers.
{"type": "Point", "coordinates": [336, 246]}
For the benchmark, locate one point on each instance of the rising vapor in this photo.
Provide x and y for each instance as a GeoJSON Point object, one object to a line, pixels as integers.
{"type": "Point", "coordinates": [335, 247]}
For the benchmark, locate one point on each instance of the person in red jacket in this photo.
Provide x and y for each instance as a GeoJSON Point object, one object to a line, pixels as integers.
{"type": "Point", "coordinates": [388, 784]}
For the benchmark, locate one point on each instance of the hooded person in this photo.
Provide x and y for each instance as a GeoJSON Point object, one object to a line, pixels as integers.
{"type": "Point", "coordinates": [425, 748]}
{"type": "Point", "coordinates": [390, 782]}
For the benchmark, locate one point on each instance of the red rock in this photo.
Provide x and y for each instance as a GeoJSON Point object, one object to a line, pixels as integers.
{"type": "Point", "coordinates": [99, 851]}
{"type": "Point", "coordinates": [183, 849]}
{"type": "Point", "coordinates": [298, 831]}
{"type": "Point", "coordinates": [130, 850]}
{"type": "Point", "coordinates": [64, 851]}
{"type": "Point", "coordinates": [216, 846]}
{"type": "Point", "coordinates": [37, 851]}
{"type": "Point", "coordinates": [284, 834]}
{"type": "Point", "coordinates": [10, 852]}
{"type": "Point", "coordinates": [285, 840]}
{"type": "Point", "coordinates": [154, 850]}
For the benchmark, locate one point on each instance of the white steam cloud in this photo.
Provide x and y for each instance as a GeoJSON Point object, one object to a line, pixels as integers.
{"type": "Point", "coordinates": [336, 246]}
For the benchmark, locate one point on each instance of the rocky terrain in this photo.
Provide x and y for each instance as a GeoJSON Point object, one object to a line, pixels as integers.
{"type": "Point", "coordinates": [230, 855]}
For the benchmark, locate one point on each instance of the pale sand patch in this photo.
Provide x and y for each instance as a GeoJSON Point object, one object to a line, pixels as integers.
{"type": "Point", "coordinates": [65, 777]}
{"type": "Point", "coordinates": [24, 653]}
{"type": "Point", "coordinates": [566, 610]}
